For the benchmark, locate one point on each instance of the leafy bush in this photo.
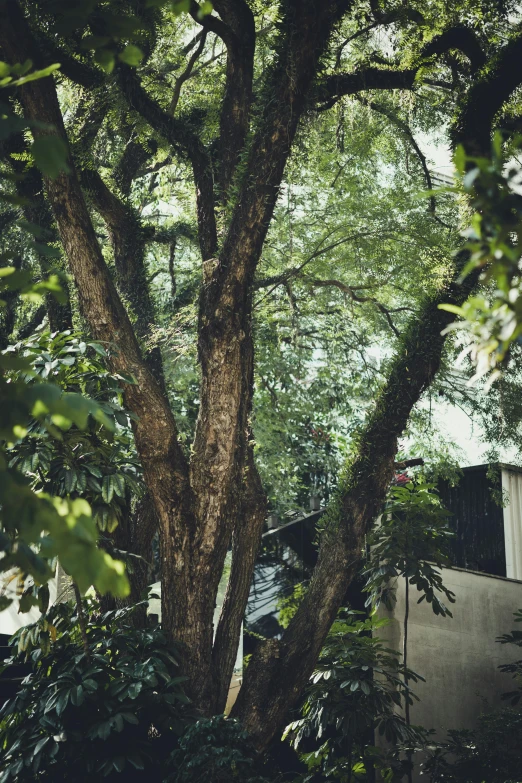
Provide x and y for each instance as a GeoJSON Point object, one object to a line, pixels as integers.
{"type": "Point", "coordinates": [94, 463]}
{"type": "Point", "coordinates": [36, 527]}
{"type": "Point", "coordinates": [412, 535]}
{"type": "Point", "coordinates": [215, 751]}
{"type": "Point", "coordinates": [490, 753]}
{"type": "Point", "coordinates": [355, 690]}
{"type": "Point", "coordinates": [90, 711]}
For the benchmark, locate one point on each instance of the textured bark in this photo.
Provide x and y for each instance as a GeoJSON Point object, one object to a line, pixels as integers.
{"type": "Point", "coordinates": [279, 670]}
{"type": "Point", "coordinates": [246, 541]}
{"type": "Point", "coordinates": [239, 35]}
{"type": "Point", "coordinates": [225, 331]}
{"type": "Point", "coordinates": [128, 238]}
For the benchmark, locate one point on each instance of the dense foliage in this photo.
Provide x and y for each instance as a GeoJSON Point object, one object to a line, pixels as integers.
{"type": "Point", "coordinates": [215, 749]}
{"type": "Point", "coordinates": [490, 752]}
{"type": "Point", "coordinates": [410, 540]}
{"type": "Point", "coordinates": [94, 463]}
{"type": "Point", "coordinates": [37, 527]}
{"type": "Point", "coordinates": [92, 708]}
{"type": "Point", "coordinates": [492, 319]}
{"type": "Point", "coordinates": [356, 694]}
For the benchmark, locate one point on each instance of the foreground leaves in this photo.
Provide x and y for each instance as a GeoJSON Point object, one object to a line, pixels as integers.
{"type": "Point", "coordinates": [91, 713]}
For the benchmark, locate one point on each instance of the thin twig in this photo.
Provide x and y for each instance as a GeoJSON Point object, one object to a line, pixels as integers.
{"type": "Point", "coordinates": [182, 78]}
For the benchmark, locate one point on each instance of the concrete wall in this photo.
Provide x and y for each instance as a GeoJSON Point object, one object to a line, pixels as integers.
{"type": "Point", "coordinates": [457, 656]}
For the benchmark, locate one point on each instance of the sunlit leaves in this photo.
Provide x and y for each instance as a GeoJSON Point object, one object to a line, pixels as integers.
{"type": "Point", "coordinates": [491, 324]}
{"type": "Point", "coordinates": [21, 73]}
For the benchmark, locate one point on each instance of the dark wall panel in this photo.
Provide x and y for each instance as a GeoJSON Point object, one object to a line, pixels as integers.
{"type": "Point", "coordinates": [478, 522]}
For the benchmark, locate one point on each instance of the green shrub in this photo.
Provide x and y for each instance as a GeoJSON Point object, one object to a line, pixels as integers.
{"type": "Point", "coordinates": [490, 753]}
{"type": "Point", "coordinates": [215, 750]}
{"type": "Point", "coordinates": [355, 690]}
{"type": "Point", "coordinates": [88, 712]}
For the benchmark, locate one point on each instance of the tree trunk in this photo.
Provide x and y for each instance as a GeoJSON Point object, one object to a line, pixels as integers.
{"type": "Point", "coordinates": [280, 669]}
{"type": "Point", "coordinates": [128, 239]}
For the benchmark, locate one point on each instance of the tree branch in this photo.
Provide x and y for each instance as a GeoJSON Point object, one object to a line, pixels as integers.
{"type": "Point", "coordinates": [486, 97]}
{"type": "Point", "coordinates": [246, 540]}
{"type": "Point", "coordinates": [406, 130]}
{"type": "Point", "coordinates": [213, 25]}
{"type": "Point", "coordinates": [128, 239]}
{"type": "Point", "coordinates": [76, 71]}
{"type": "Point", "coordinates": [182, 78]}
{"type": "Point", "coordinates": [225, 345]}
{"type": "Point", "coordinates": [183, 139]}
{"type": "Point", "coordinates": [239, 35]}
{"type": "Point", "coordinates": [370, 78]}
{"type": "Point", "coordinates": [337, 85]}
{"type": "Point", "coordinates": [135, 156]}
{"type": "Point", "coordinates": [461, 38]}
{"type": "Point", "coordinates": [346, 289]}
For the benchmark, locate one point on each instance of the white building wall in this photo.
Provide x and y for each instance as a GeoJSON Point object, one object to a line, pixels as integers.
{"type": "Point", "coordinates": [512, 488]}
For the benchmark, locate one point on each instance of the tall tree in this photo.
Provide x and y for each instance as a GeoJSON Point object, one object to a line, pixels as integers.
{"type": "Point", "coordinates": [279, 67]}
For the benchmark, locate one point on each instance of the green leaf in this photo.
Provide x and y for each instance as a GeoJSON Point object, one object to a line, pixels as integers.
{"type": "Point", "coordinates": [460, 159]}
{"type": "Point", "coordinates": [105, 58]}
{"type": "Point", "coordinates": [70, 481]}
{"type": "Point", "coordinates": [41, 744]}
{"type": "Point", "coordinates": [40, 74]}
{"type": "Point", "coordinates": [50, 155]}
{"type": "Point", "coordinates": [119, 485]}
{"type": "Point", "coordinates": [107, 488]}
{"type": "Point", "coordinates": [131, 55]}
